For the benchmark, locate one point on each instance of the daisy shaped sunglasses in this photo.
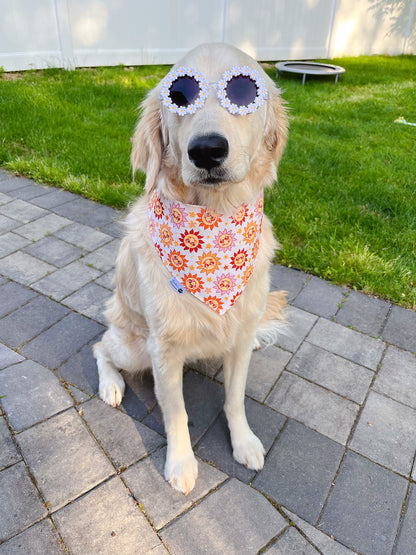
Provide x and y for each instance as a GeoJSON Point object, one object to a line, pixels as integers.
{"type": "Point", "coordinates": [241, 90]}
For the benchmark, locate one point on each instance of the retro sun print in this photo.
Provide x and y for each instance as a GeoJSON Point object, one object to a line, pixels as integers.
{"type": "Point", "coordinates": [212, 255]}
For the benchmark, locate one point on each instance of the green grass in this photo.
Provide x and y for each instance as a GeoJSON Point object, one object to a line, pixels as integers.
{"type": "Point", "coordinates": [345, 206]}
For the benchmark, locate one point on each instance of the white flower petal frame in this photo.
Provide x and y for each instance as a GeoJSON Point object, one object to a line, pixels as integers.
{"type": "Point", "coordinates": [237, 108]}
{"type": "Point", "coordinates": [222, 90]}
{"type": "Point", "coordinates": [165, 93]}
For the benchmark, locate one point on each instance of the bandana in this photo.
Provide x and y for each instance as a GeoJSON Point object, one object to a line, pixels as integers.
{"type": "Point", "coordinates": [211, 255]}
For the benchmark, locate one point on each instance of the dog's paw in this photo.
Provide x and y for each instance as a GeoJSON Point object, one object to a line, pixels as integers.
{"type": "Point", "coordinates": [112, 390]}
{"type": "Point", "coordinates": [181, 473]}
{"type": "Point", "coordinates": [249, 451]}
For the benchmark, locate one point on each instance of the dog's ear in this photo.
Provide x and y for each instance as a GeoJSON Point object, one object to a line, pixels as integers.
{"type": "Point", "coordinates": [148, 146]}
{"type": "Point", "coordinates": [277, 127]}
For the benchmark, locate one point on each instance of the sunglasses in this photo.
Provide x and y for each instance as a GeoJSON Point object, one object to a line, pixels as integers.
{"type": "Point", "coordinates": [241, 91]}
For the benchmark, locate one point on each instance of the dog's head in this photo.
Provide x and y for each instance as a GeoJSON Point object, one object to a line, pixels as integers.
{"type": "Point", "coordinates": [215, 123]}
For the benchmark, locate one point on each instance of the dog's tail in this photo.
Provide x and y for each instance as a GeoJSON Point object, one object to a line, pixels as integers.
{"type": "Point", "coordinates": [273, 322]}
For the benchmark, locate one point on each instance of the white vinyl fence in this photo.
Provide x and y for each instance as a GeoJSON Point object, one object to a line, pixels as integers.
{"type": "Point", "coordinates": [36, 34]}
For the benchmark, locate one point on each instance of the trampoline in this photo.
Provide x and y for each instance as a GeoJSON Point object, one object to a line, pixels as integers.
{"type": "Point", "coordinates": [309, 68]}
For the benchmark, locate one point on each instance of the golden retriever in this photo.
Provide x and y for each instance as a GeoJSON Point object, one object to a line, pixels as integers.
{"type": "Point", "coordinates": [210, 137]}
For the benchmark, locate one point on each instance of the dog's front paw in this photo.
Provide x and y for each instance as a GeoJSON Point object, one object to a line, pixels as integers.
{"type": "Point", "coordinates": [181, 472]}
{"type": "Point", "coordinates": [112, 390]}
{"type": "Point", "coordinates": [249, 451]}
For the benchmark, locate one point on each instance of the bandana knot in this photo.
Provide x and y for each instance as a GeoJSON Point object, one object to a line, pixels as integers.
{"type": "Point", "coordinates": [211, 254]}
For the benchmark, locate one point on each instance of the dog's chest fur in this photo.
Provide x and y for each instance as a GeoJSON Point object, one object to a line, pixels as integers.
{"type": "Point", "coordinates": [183, 319]}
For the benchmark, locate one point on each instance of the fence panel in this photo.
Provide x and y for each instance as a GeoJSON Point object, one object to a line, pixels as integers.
{"type": "Point", "coordinates": [77, 33]}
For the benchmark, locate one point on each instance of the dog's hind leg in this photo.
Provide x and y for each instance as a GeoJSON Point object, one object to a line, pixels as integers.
{"type": "Point", "coordinates": [247, 448]}
{"type": "Point", "coordinates": [273, 322]}
{"type": "Point", "coordinates": [113, 353]}
{"type": "Point", "coordinates": [111, 383]}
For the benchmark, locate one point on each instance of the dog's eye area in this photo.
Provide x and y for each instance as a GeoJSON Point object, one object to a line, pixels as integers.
{"type": "Point", "coordinates": [184, 91]}
{"type": "Point", "coordinates": [241, 90]}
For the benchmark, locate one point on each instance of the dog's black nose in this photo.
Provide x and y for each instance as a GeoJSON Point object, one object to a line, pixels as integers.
{"type": "Point", "coordinates": [208, 151]}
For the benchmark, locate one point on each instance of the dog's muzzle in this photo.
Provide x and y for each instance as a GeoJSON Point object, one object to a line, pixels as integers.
{"type": "Point", "coordinates": [208, 151]}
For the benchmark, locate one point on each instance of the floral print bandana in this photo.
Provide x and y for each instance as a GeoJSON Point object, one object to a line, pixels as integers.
{"type": "Point", "coordinates": [210, 254]}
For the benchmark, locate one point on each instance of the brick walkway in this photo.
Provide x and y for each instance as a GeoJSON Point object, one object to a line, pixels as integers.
{"type": "Point", "coordinates": [334, 403]}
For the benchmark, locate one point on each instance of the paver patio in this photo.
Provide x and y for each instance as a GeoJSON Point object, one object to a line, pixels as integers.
{"type": "Point", "coordinates": [334, 402]}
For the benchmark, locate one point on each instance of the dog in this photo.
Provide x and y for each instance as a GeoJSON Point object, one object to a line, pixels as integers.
{"type": "Point", "coordinates": [209, 139]}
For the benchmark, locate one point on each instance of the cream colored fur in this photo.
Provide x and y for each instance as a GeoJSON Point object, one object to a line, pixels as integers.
{"type": "Point", "coordinates": [150, 325]}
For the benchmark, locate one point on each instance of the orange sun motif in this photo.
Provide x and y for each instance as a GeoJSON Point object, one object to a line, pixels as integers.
{"type": "Point", "coordinates": [193, 283]}
{"type": "Point", "coordinates": [247, 274]}
{"type": "Point", "coordinates": [250, 232]}
{"type": "Point", "coordinates": [208, 219]}
{"type": "Point", "coordinates": [208, 262]}
{"type": "Point", "coordinates": [214, 302]}
{"type": "Point", "coordinates": [165, 235]}
{"type": "Point", "coordinates": [177, 260]}
{"type": "Point", "coordinates": [260, 204]}
{"type": "Point", "coordinates": [240, 214]}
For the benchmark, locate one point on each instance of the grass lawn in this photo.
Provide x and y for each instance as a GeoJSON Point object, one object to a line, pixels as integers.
{"type": "Point", "coordinates": [345, 206]}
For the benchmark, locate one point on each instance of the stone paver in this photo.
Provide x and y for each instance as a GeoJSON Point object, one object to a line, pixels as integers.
{"type": "Point", "coordinates": [29, 191]}
{"type": "Point", "coordinates": [87, 212]}
{"type": "Point", "coordinates": [333, 403]}
{"type": "Point", "coordinates": [288, 280]}
{"type": "Point", "coordinates": [25, 269]}
{"type": "Point", "coordinates": [320, 297]}
{"type": "Point", "coordinates": [103, 258]}
{"type": "Point", "coordinates": [83, 236]}
{"type": "Point", "coordinates": [56, 252]}
{"type": "Point", "coordinates": [53, 198]}
{"type": "Point", "coordinates": [20, 503]}
{"type": "Point", "coordinates": [7, 224]}
{"type": "Point", "coordinates": [40, 539]}
{"type": "Point", "coordinates": [22, 211]}
{"type": "Point", "coordinates": [216, 448]}
{"type": "Point", "coordinates": [364, 507]}
{"type": "Point", "coordinates": [114, 524]}
{"type": "Point", "coordinates": [299, 323]}
{"type": "Point", "coordinates": [291, 543]}
{"type": "Point", "coordinates": [8, 356]}
{"type": "Point", "coordinates": [66, 281]}
{"type": "Point", "coordinates": [8, 453]}
{"type": "Point", "coordinates": [30, 320]}
{"type": "Point", "coordinates": [407, 536]}
{"type": "Point", "coordinates": [90, 300]}
{"type": "Point", "coordinates": [326, 544]}
{"type": "Point", "coordinates": [365, 314]}
{"type": "Point", "coordinates": [386, 433]}
{"type": "Point", "coordinates": [11, 242]}
{"type": "Point", "coordinates": [161, 502]}
{"type": "Point", "coordinates": [64, 458]}
{"type": "Point", "coordinates": [12, 296]}
{"type": "Point", "coordinates": [55, 345]}
{"type": "Point", "coordinates": [332, 372]}
{"type": "Point", "coordinates": [400, 328]}
{"type": "Point", "coordinates": [318, 408]}
{"type": "Point", "coordinates": [397, 376]}
{"type": "Point", "coordinates": [246, 529]}
{"type": "Point", "coordinates": [125, 440]}
{"type": "Point", "coordinates": [47, 396]}
{"type": "Point", "coordinates": [42, 227]}
{"type": "Point", "coordinates": [299, 470]}
{"type": "Point", "coordinates": [347, 343]}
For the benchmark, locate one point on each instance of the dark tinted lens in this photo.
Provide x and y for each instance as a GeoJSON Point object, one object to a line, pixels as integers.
{"type": "Point", "coordinates": [184, 91]}
{"type": "Point", "coordinates": [241, 90]}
